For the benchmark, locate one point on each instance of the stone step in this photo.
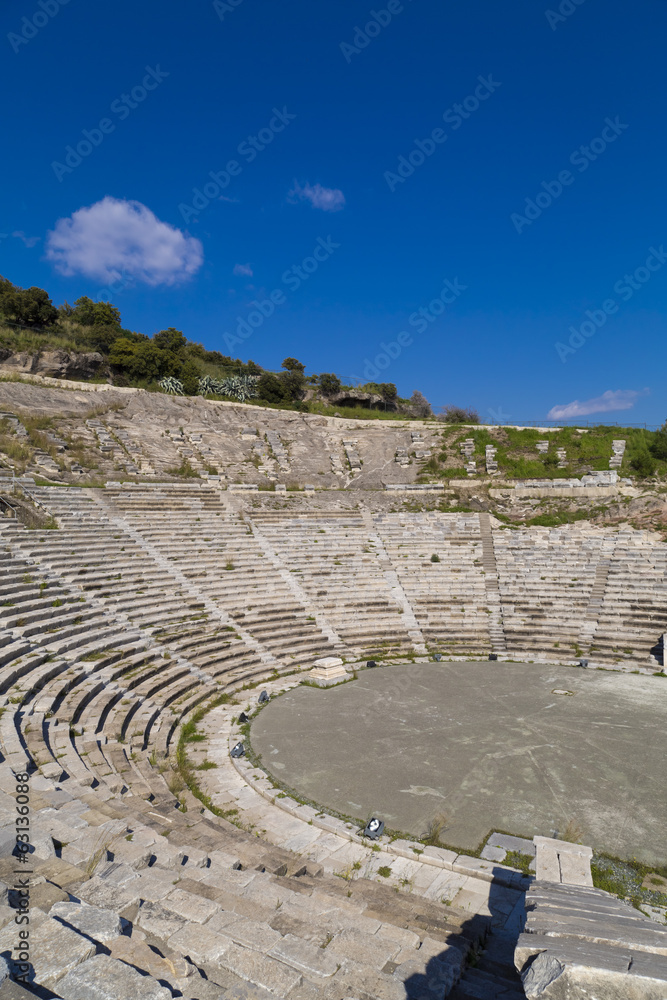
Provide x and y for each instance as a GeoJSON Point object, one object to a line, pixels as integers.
{"type": "Point", "coordinates": [477, 984]}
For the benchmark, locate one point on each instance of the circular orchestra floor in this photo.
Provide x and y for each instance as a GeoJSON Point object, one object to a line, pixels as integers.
{"type": "Point", "coordinates": [522, 748]}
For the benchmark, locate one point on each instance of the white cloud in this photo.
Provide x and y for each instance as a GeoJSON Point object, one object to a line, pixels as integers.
{"type": "Point", "coordinates": [619, 399]}
{"type": "Point", "coordinates": [328, 199]}
{"type": "Point", "coordinates": [243, 269]}
{"type": "Point", "coordinates": [114, 237]}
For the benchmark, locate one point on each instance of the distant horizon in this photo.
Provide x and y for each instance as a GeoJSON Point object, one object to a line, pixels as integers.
{"type": "Point", "coordinates": [465, 202]}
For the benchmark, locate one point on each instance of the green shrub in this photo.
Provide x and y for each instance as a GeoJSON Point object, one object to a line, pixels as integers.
{"type": "Point", "coordinates": [642, 461]}
{"type": "Point", "coordinates": [329, 384]}
{"type": "Point", "coordinates": [28, 306]}
{"type": "Point", "coordinates": [89, 313]}
{"type": "Point", "coordinates": [458, 415]}
{"type": "Point", "coordinates": [184, 469]}
{"type": "Point", "coordinates": [658, 444]}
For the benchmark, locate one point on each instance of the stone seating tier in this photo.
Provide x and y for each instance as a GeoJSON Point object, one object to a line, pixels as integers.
{"type": "Point", "coordinates": [120, 911]}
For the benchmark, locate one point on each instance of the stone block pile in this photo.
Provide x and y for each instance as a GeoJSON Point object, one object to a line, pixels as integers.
{"type": "Point", "coordinates": [133, 450]}
{"type": "Point", "coordinates": [107, 445]}
{"type": "Point", "coordinates": [542, 447]}
{"type": "Point", "coordinates": [600, 478]}
{"type": "Point", "coordinates": [352, 454]}
{"type": "Point", "coordinates": [491, 464]}
{"type": "Point", "coordinates": [467, 450]}
{"type": "Point", "coordinates": [260, 449]}
{"type": "Point", "coordinates": [44, 461]}
{"type": "Point", "coordinates": [618, 450]}
{"type": "Point", "coordinates": [14, 423]}
{"type": "Point", "coordinates": [336, 464]}
{"type": "Point", "coordinates": [415, 487]}
{"type": "Point", "coordinates": [603, 478]}
{"type": "Point", "coordinates": [58, 443]}
{"type": "Point", "coordinates": [418, 444]}
{"type": "Point", "coordinates": [278, 450]}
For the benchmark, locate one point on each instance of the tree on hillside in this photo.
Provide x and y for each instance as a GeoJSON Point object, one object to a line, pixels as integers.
{"type": "Point", "coordinates": [102, 336]}
{"type": "Point", "coordinates": [89, 313]}
{"type": "Point", "coordinates": [658, 446]}
{"type": "Point", "coordinates": [329, 384]}
{"type": "Point", "coordinates": [643, 463]}
{"type": "Point", "coordinates": [271, 388]}
{"type": "Point", "coordinates": [641, 459]}
{"type": "Point", "coordinates": [293, 379]}
{"type": "Point", "coordinates": [143, 361]}
{"type": "Point", "coordinates": [170, 340]}
{"type": "Point", "coordinates": [26, 306]}
{"type": "Point", "coordinates": [292, 365]}
{"type": "Point", "coordinates": [387, 390]}
{"type": "Point", "coordinates": [458, 415]}
{"type": "Point", "coordinates": [189, 375]}
{"type": "Point", "coordinates": [420, 405]}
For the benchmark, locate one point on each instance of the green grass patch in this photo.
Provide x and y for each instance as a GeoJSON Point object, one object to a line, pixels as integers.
{"type": "Point", "coordinates": [624, 879]}
{"type": "Point", "coordinates": [524, 862]}
{"type": "Point", "coordinates": [184, 470]}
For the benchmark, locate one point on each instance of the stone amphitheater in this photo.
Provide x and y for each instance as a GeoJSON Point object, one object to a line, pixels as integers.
{"type": "Point", "coordinates": [165, 619]}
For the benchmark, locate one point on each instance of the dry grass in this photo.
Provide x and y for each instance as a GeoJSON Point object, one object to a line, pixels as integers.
{"type": "Point", "coordinates": [96, 857]}
{"type": "Point", "coordinates": [572, 833]}
{"type": "Point", "coordinates": [434, 829]}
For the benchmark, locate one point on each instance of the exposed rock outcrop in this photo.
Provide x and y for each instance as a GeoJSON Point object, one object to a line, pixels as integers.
{"type": "Point", "coordinates": [55, 364]}
{"type": "Point", "coordinates": [356, 397]}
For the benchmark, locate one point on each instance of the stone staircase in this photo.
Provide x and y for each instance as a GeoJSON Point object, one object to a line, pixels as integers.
{"type": "Point", "coordinates": [496, 630]}
{"type": "Point", "coordinates": [130, 902]}
{"type": "Point", "coordinates": [580, 942]}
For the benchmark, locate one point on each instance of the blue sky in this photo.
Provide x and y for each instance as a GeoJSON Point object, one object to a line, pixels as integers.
{"type": "Point", "coordinates": [534, 199]}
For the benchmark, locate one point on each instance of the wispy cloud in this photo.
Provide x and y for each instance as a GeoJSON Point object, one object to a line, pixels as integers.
{"type": "Point", "coordinates": [29, 241]}
{"type": "Point", "coordinates": [114, 237]}
{"type": "Point", "coordinates": [619, 399]}
{"type": "Point", "coordinates": [327, 199]}
{"type": "Point", "coordinates": [243, 269]}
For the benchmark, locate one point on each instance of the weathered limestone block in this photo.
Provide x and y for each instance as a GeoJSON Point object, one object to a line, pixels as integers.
{"type": "Point", "coordinates": [593, 976]}
{"type": "Point", "coordinates": [54, 950]}
{"type": "Point", "coordinates": [104, 978]}
{"type": "Point", "coordinates": [93, 921]}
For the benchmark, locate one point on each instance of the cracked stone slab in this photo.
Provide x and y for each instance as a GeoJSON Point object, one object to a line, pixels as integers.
{"type": "Point", "coordinates": [104, 978]}
{"type": "Point", "coordinates": [262, 970]}
{"type": "Point", "coordinates": [93, 921]}
{"type": "Point", "coordinates": [305, 956]}
{"type": "Point", "coordinates": [54, 949]}
{"type": "Point", "coordinates": [195, 909]}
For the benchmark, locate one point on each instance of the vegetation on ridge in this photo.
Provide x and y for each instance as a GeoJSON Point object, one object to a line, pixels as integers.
{"type": "Point", "coordinates": [517, 456]}
{"type": "Point", "coordinates": [29, 322]}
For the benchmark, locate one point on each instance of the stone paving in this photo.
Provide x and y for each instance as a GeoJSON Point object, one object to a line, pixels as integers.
{"type": "Point", "coordinates": [409, 742]}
